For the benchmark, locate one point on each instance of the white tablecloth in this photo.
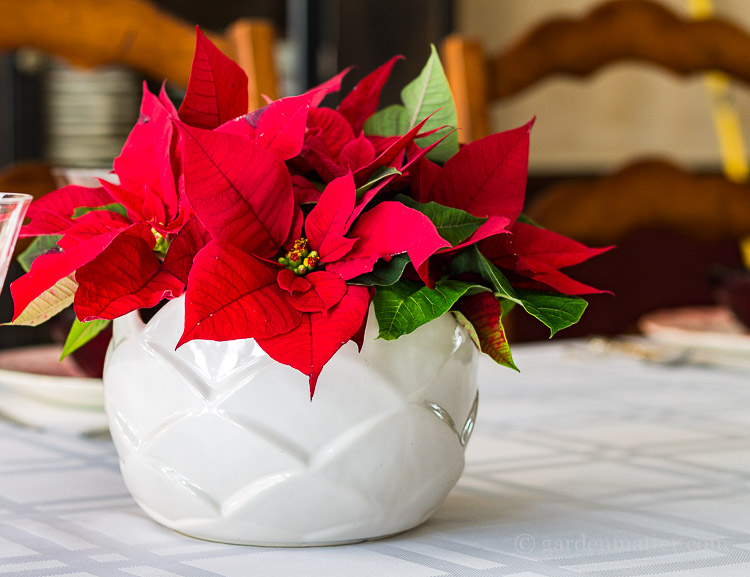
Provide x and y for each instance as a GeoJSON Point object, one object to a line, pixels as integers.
{"type": "Point", "coordinates": [581, 465]}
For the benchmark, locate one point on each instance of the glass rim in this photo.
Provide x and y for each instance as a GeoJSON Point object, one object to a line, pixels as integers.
{"type": "Point", "coordinates": [14, 197]}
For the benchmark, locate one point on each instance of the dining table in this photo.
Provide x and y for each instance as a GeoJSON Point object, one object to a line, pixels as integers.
{"type": "Point", "coordinates": [589, 461]}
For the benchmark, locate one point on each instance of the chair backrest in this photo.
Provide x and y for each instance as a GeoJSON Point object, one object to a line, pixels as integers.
{"type": "Point", "coordinates": [672, 226]}
{"type": "Point", "coordinates": [676, 235]}
{"type": "Point", "coordinates": [618, 30]}
{"type": "Point", "coordinates": [137, 34]}
{"type": "Point", "coordinates": [645, 194]}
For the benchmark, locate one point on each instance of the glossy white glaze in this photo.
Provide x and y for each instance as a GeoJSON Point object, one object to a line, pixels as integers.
{"type": "Point", "coordinates": [219, 441]}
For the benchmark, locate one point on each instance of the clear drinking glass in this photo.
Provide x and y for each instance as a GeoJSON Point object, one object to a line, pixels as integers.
{"type": "Point", "coordinates": [13, 207]}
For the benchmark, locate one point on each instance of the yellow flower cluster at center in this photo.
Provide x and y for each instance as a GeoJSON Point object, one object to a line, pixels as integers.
{"type": "Point", "coordinates": [300, 260]}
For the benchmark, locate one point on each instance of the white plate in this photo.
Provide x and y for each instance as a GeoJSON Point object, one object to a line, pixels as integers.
{"type": "Point", "coordinates": [56, 397]}
{"type": "Point", "coordinates": [63, 383]}
{"type": "Point", "coordinates": [707, 327]}
{"type": "Point", "coordinates": [713, 333]}
{"type": "Point", "coordinates": [34, 412]}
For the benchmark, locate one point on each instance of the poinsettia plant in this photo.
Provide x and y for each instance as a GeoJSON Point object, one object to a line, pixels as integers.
{"type": "Point", "coordinates": [287, 223]}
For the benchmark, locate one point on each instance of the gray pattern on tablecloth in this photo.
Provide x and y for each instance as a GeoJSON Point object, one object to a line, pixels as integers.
{"type": "Point", "coordinates": [580, 465]}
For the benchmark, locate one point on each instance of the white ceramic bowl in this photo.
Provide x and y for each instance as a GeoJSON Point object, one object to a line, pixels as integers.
{"type": "Point", "coordinates": [219, 441]}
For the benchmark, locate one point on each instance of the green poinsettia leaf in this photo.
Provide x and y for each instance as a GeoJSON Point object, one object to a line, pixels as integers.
{"type": "Point", "coordinates": [384, 273]}
{"type": "Point", "coordinates": [453, 224]}
{"type": "Point", "coordinates": [556, 311]}
{"type": "Point", "coordinates": [81, 333]}
{"type": "Point", "coordinates": [406, 305]}
{"type": "Point", "coordinates": [390, 121]}
{"type": "Point", "coordinates": [39, 246]}
{"type": "Point", "coordinates": [380, 174]}
{"type": "Point", "coordinates": [491, 340]}
{"type": "Point", "coordinates": [560, 311]}
{"type": "Point", "coordinates": [470, 330]}
{"type": "Point", "coordinates": [427, 94]}
{"type": "Point", "coordinates": [481, 315]}
{"type": "Point", "coordinates": [473, 261]}
{"type": "Point", "coordinates": [114, 207]}
{"type": "Point", "coordinates": [49, 303]}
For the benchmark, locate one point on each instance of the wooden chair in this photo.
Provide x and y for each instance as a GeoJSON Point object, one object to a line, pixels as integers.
{"type": "Point", "coordinates": [619, 30]}
{"type": "Point", "coordinates": [676, 235]}
{"type": "Point", "coordinates": [132, 33]}
{"type": "Point", "coordinates": [672, 228]}
{"type": "Point", "coordinates": [137, 34]}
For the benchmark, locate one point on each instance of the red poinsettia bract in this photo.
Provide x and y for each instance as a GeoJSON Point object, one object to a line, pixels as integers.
{"type": "Point", "coordinates": [267, 221]}
{"type": "Point", "coordinates": [301, 311]}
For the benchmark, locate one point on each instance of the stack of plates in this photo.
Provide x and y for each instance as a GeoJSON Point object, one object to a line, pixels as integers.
{"type": "Point", "coordinates": [56, 396]}
{"type": "Point", "coordinates": [89, 113]}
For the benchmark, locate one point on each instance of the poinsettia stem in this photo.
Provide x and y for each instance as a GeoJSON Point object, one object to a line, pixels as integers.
{"type": "Point", "coordinates": [162, 244]}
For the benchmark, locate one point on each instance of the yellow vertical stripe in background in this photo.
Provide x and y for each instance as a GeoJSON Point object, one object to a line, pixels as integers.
{"type": "Point", "coordinates": [725, 117]}
{"type": "Point", "coordinates": [726, 121]}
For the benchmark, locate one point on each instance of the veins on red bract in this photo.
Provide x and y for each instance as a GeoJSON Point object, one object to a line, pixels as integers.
{"type": "Point", "coordinates": [217, 89]}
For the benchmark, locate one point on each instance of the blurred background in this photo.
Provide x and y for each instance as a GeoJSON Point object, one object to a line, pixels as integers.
{"type": "Point", "coordinates": [586, 129]}
{"type": "Point", "coordinates": [623, 111]}
{"type": "Point", "coordinates": [583, 127]}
